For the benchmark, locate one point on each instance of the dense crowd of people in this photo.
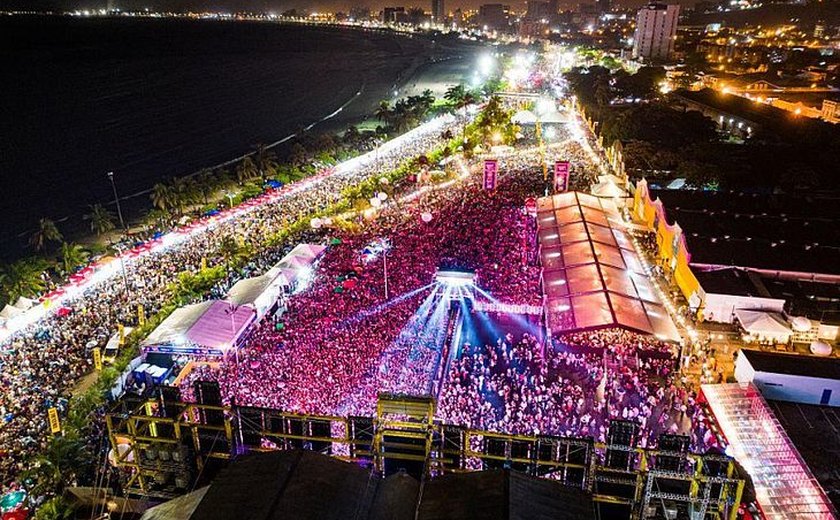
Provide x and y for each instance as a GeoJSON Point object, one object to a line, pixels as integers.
{"type": "Point", "coordinates": [510, 387]}
{"type": "Point", "coordinates": [338, 348]}
{"type": "Point", "coordinates": [40, 365]}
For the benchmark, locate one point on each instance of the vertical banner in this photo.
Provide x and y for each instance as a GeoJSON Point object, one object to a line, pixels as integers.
{"type": "Point", "coordinates": [97, 359]}
{"type": "Point", "coordinates": [55, 424]}
{"type": "Point", "coordinates": [141, 315]}
{"type": "Point", "coordinates": [491, 168]}
{"type": "Point", "coordinates": [121, 330]}
{"type": "Point", "coordinates": [561, 176]}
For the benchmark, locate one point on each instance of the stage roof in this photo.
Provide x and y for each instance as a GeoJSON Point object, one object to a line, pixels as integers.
{"type": "Point", "coordinates": [784, 486]}
{"type": "Point", "coordinates": [173, 330]}
{"type": "Point", "coordinates": [592, 276]}
{"type": "Point", "coordinates": [221, 325]}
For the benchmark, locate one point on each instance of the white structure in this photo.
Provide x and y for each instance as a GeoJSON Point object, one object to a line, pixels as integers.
{"type": "Point", "coordinates": [656, 29]}
{"type": "Point", "coordinates": [763, 327]}
{"type": "Point", "coordinates": [789, 377]}
{"type": "Point", "coordinates": [725, 291]}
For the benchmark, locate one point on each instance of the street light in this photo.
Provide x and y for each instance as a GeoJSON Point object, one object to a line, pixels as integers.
{"type": "Point", "coordinates": [117, 200]}
{"type": "Point", "coordinates": [230, 197]}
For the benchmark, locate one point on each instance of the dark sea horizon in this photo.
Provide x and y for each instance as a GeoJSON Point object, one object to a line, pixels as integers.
{"type": "Point", "coordinates": [152, 99]}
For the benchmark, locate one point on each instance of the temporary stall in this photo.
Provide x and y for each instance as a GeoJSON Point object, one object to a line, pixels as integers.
{"type": "Point", "coordinates": [261, 292]}
{"type": "Point", "coordinates": [763, 327]}
{"type": "Point", "coordinates": [608, 189]}
{"type": "Point", "coordinates": [171, 335]}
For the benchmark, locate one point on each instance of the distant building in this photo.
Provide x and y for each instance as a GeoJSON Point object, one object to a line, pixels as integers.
{"type": "Point", "coordinates": [830, 111]}
{"type": "Point", "coordinates": [604, 6]}
{"type": "Point", "coordinates": [359, 14]}
{"type": "Point", "coordinates": [438, 12]}
{"type": "Point", "coordinates": [819, 29]}
{"type": "Point", "coordinates": [494, 16]}
{"type": "Point", "coordinates": [458, 18]}
{"type": "Point", "coordinates": [656, 28]}
{"type": "Point", "coordinates": [394, 15]}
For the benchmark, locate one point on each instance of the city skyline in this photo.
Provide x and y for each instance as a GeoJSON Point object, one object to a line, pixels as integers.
{"type": "Point", "coordinates": [279, 6]}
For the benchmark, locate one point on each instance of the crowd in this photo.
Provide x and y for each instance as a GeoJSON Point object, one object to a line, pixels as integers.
{"type": "Point", "coordinates": [508, 386]}
{"type": "Point", "coordinates": [40, 365]}
{"type": "Point", "coordinates": [338, 348]}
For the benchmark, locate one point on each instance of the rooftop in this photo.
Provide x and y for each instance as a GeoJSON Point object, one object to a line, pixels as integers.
{"type": "Point", "coordinates": [784, 485]}
{"type": "Point", "coordinates": [793, 364]}
{"type": "Point", "coordinates": [731, 281]}
{"type": "Point", "coordinates": [762, 231]}
{"type": "Point", "coordinates": [592, 276]}
{"type": "Point", "coordinates": [307, 485]}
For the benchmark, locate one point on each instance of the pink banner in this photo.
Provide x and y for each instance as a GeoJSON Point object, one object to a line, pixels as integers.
{"type": "Point", "coordinates": [561, 176]}
{"type": "Point", "coordinates": [491, 168]}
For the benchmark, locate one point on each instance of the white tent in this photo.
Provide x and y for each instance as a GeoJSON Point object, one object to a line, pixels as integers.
{"type": "Point", "coordinates": [820, 348]}
{"type": "Point", "coordinates": [10, 311]}
{"type": "Point", "coordinates": [615, 179]}
{"type": "Point", "coordinates": [763, 326]}
{"type": "Point", "coordinates": [524, 117]}
{"type": "Point", "coordinates": [25, 303]}
{"type": "Point", "coordinates": [800, 324]}
{"type": "Point", "coordinates": [173, 330]}
{"type": "Point", "coordinates": [607, 189]}
{"type": "Point", "coordinates": [311, 251]}
{"type": "Point", "coordinates": [553, 117]}
{"type": "Point", "coordinates": [261, 292]}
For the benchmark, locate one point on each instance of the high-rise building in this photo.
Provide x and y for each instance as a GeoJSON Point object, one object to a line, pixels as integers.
{"type": "Point", "coordinates": [656, 29]}
{"type": "Point", "coordinates": [494, 16]}
{"type": "Point", "coordinates": [604, 6]}
{"type": "Point", "coordinates": [394, 15]}
{"type": "Point", "coordinates": [438, 12]}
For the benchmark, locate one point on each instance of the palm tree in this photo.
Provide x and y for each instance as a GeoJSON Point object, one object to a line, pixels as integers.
{"type": "Point", "coordinates": [162, 196]}
{"type": "Point", "coordinates": [47, 232]}
{"type": "Point", "coordinates": [246, 170]}
{"type": "Point", "coordinates": [298, 154]}
{"type": "Point", "coordinates": [101, 220]}
{"type": "Point", "coordinates": [383, 112]}
{"type": "Point", "coordinates": [56, 508]}
{"type": "Point", "coordinates": [205, 183]}
{"type": "Point", "coordinates": [160, 216]}
{"type": "Point", "coordinates": [460, 98]}
{"type": "Point", "coordinates": [72, 256]}
{"type": "Point", "coordinates": [232, 250]}
{"type": "Point", "coordinates": [183, 192]}
{"type": "Point", "coordinates": [266, 161]}
{"type": "Point", "coordinates": [23, 278]}
{"type": "Point", "coordinates": [61, 461]}
{"type": "Point", "coordinates": [455, 94]}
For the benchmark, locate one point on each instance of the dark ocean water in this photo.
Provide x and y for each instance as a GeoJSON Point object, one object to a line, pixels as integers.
{"type": "Point", "coordinates": [152, 99]}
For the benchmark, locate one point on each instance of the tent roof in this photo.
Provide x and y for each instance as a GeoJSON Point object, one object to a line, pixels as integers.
{"type": "Point", "coordinates": [307, 250]}
{"type": "Point", "coordinates": [607, 189]}
{"type": "Point", "coordinates": [173, 330]}
{"type": "Point", "coordinates": [247, 291]}
{"type": "Point", "coordinates": [25, 303]}
{"type": "Point", "coordinates": [180, 508]}
{"type": "Point", "coordinates": [592, 276]}
{"type": "Point", "coordinates": [10, 311]}
{"type": "Point", "coordinates": [525, 117]}
{"type": "Point", "coordinates": [761, 322]}
{"type": "Point", "coordinates": [221, 325]}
